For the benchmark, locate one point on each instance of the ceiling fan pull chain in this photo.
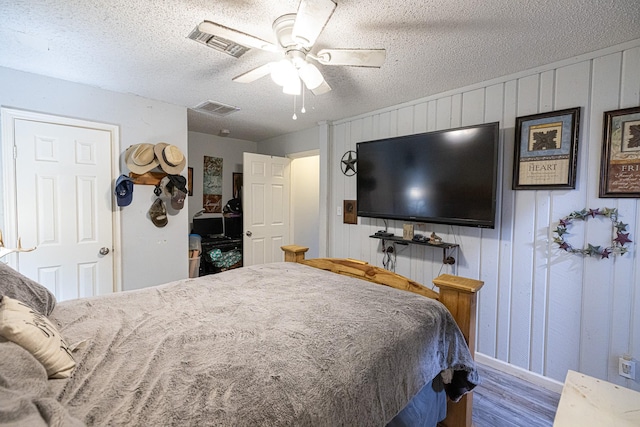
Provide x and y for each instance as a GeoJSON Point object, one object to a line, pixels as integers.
{"type": "Point", "coordinates": [294, 108]}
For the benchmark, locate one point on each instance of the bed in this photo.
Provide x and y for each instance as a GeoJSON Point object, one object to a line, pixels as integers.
{"type": "Point", "coordinates": [280, 344]}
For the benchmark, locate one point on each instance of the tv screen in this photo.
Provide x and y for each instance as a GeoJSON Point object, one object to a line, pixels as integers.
{"type": "Point", "coordinates": [442, 177]}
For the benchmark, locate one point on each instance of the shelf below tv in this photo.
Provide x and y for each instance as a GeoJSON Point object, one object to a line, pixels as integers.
{"type": "Point", "coordinates": [444, 246]}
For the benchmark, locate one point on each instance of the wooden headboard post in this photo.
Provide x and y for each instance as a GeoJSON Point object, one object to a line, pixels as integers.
{"type": "Point", "coordinates": [294, 253]}
{"type": "Point", "coordinates": [458, 294]}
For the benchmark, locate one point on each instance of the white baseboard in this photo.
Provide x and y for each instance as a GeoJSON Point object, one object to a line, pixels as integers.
{"type": "Point", "coordinates": [536, 379]}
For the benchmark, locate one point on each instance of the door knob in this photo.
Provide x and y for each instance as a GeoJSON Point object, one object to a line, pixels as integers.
{"type": "Point", "coordinates": [249, 233]}
{"type": "Point", "coordinates": [104, 251]}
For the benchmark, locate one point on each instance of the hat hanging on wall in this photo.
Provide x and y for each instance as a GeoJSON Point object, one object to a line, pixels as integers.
{"type": "Point", "coordinates": [176, 186]}
{"type": "Point", "coordinates": [171, 159]}
{"type": "Point", "coordinates": [177, 199]}
{"type": "Point", "coordinates": [124, 190]}
{"type": "Point", "coordinates": [158, 213]}
{"type": "Point", "coordinates": [177, 181]}
{"type": "Point", "coordinates": [140, 158]}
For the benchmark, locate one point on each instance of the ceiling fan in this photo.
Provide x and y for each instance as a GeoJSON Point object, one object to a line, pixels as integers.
{"type": "Point", "coordinates": [296, 34]}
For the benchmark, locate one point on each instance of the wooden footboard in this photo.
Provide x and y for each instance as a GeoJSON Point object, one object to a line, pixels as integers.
{"type": "Point", "coordinates": [456, 293]}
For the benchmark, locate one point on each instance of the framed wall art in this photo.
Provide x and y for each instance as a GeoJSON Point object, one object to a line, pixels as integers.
{"type": "Point", "coordinates": [190, 181]}
{"type": "Point", "coordinates": [620, 162]}
{"type": "Point", "coordinates": [350, 212]}
{"type": "Point", "coordinates": [212, 185]}
{"type": "Point", "coordinates": [546, 150]}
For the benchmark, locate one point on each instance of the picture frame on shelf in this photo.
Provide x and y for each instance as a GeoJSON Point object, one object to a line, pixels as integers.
{"type": "Point", "coordinates": [546, 150]}
{"type": "Point", "coordinates": [620, 161]}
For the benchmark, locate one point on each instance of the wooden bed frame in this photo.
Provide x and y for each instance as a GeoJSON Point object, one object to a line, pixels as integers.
{"type": "Point", "coordinates": [458, 294]}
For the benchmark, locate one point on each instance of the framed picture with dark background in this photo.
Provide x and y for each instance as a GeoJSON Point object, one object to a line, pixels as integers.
{"type": "Point", "coordinates": [546, 149]}
{"type": "Point", "coordinates": [620, 162]}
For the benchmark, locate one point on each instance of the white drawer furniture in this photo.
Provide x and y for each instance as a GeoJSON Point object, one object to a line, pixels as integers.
{"type": "Point", "coordinates": [588, 401]}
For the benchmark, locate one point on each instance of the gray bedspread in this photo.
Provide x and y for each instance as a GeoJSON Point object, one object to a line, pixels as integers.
{"type": "Point", "coordinates": [278, 344]}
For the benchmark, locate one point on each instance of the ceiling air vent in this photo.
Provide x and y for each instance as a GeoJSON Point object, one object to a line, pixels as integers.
{"type": "Point", "coordinates": [217, 108]}
{"type": "Point", "coordinates": [218, 43]}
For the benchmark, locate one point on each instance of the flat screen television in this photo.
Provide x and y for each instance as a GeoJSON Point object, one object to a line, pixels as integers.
{"type": "Point", "coordinates": [442, 177]}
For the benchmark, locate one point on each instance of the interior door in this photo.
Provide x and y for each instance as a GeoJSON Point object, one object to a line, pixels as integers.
{"type": "Point", "coordinates": [266, 192]}
{"type": "Point", "coordinates": [64, 207]}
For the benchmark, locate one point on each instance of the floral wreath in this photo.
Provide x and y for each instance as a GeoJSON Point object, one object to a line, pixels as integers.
{"type": "Point", "coordinates": [617, 244]}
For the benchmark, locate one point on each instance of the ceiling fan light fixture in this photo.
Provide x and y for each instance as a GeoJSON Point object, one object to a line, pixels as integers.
{"type": "Point", "coordinates": [283, 72]}
{"type": "Point", "coordinates": [310, 75]}
{"type": "Point", "coordinates": [292, 87]}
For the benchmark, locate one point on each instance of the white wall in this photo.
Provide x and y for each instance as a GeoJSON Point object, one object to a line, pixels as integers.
{"type": "Point", "coordinates": [305, 196]}
{"type": "Point", "coordinates": [150, 255]}
{"type": "Point", "coordinates": [296, 142]}
{"type": "Point", "coordinates": [230, 150]}
{"type": "Point", "coordinates": [541, 309]}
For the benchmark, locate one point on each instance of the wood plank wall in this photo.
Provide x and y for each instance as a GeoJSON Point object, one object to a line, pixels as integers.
{"type": "Point", "coordinates": [541, 309]}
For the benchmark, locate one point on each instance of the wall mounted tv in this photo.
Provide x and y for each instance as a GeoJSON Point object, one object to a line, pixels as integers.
{"type": "Point", "coordinates": [442, 177]}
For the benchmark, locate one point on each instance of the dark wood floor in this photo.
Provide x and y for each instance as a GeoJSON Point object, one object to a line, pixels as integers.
{"type": "Point", "coordinates": [502, 400]}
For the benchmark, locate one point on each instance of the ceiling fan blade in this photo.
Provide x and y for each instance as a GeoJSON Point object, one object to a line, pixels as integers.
{"type": "Point", "coordinates": [323, 88]}
{"type": "Point", "coordinates": [352, 57]}
{"type": "Point", "coordinates": [236, 36]}
{"type": "Point", "coordinates": [255, 74]}
{"type": "Point", "coordinates": [311, 18]}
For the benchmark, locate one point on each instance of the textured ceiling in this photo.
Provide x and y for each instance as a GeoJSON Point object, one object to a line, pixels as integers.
{"type": "Point", "coordinates": [141, 47]}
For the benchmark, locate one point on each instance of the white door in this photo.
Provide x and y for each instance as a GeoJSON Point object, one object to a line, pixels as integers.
{"type": "Point", "coordinates": [265, 210]}
{"type": "Point", "coordinates": [64, 207]}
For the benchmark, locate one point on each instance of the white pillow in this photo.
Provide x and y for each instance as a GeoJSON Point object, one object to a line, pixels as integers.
{"type": "Point", "coordinates": [34, 332]}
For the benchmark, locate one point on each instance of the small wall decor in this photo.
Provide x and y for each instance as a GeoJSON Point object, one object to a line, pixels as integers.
{"type": "Point", "coordinates": [190, 181]}
{"type": "Point", "coordinates": [350, 215]}
{"type": "Point", "coordinates": [617, 243]}
{"type": "Point", "coordinates": [546, 150]}
{"type": "Point", "coordinates": [212, 189]}
{"type": "Point", "coordinates": [620, 161]}
{"type": "Point", "coordinates": [348, 163]}
{"type": "Point", "coordinates": [407, 231]}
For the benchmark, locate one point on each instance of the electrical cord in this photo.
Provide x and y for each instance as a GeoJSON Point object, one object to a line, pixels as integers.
{"type": "Point", "coordinates": [389, 258]}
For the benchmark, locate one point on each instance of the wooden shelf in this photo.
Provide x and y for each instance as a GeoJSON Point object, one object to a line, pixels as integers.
{"type": "Point", "coordinates": [444, 246]}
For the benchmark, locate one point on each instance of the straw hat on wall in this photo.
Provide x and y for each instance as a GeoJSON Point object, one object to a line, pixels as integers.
{"type": "Point", "coordinates": [171, 159]}
{"type": "Point", "coordinates": [141, 158]}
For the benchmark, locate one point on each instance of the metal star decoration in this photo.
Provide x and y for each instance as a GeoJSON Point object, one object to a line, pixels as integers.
{"type": "Point", "coordinates": [565, 246]}
{"type": "Point", "coordinates": [349, 163]}
{"type": "Point", "coordinates": [560, 230]}
{"type": "Point", "coordinates": [622, 238]}
{"type": "Point", "coordinates": [621, 226]}
{"type": "Point", "coordinates": [564, 222]}
{"type": "Point", "coordinates": [593, 250]}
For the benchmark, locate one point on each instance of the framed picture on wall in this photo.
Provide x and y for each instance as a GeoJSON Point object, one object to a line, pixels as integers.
{"type": "Point", "coordinates": [190, 181]}
{"type": "Point", "coordinates": [546, 149]}
{"type": "Point", "coordinates": [620, 161]}
{"type": "Point", "coordinates": [350, 212]}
